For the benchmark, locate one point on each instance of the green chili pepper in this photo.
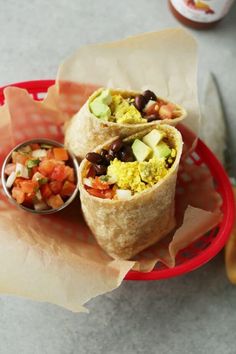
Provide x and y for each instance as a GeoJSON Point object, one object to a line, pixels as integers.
{"type": "Point", "coordinates": [33, 163]}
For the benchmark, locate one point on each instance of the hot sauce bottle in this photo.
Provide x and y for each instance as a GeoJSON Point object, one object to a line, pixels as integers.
{"type": "Point", "coordinates": [200, 14]}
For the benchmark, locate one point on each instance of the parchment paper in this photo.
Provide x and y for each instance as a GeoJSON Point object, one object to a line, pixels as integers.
{"type": "Point", "coordinates": [165, 62]}
{"type": "Point", "coordinates": [55, 258]}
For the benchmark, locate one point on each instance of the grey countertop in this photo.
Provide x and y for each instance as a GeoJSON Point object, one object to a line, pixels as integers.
{"type": "Point", "coordinates": [195, 313]}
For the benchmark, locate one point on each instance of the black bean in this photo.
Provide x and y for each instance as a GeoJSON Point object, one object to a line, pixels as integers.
{"type": "Point", "coordinates": [149, 95]}
{"type": "Point", "coordinates": [109, 157]}
{"type": "Point", "coordinates": [106, 161]}
{"type": "Point", "coordinates": [151, 118]}
{"type": "Point", "coordinates": [140, 102]}
{"type": "Point", "coordinates": [93, 157]}
{"type": "Point", "coordinates": [100, 169]}
{"type": "Point", "coordinates": [126, 154]}
{"type": "Point", "coordinates": [112, 153]}
{"type": "Point", "coordinates": [116, 145]}
{"type": "Point", "coordinates": [91, 172]}
{"type": "Point", "coordinates": [103, 152]}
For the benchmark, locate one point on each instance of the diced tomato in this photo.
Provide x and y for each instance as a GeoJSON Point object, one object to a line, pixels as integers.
{"type": "Point", "coordinates": [50, 154]}
{"type": "Point", "coordinates": [18, 157]}
{"type": "Point", "coordinates": [18, 195]}
{"type": "Point", "coordinates": [91, 172]}
{"type": "Point", "coordinates": [10, 167]}
{"type": "Point", "coordinates": [165, 112]}
{"type": "Point", "coordinates": [70, 175]}
{"type": "Point", "coordinates": [32, 171]}
{"type": "Point", "coordinates": [45, 191]}
{"type": "Point", "coordinates": [153, 109]}
{"type": "Point", "coordinates": [161, 102]}
{"type": "Point", "coordinates": [55, 201]}
{"type": "Point", "coordinates": [55, 186]}
{"type": "Point", "coordinates": [35, 146]}
{"type": "Point", "coordinates": [109, 193]}
{"type": "Point", "coordinates": [18, 181]}
{"type": "Point", "coordinates": [29, 186]}
{"type": "Point", "coordinates": [60, 154]}
{"type": "Point", "coordinates": [104, 194]}
{"type": "Point", "coordinates": [67, 189]}
{"type": "Point", "coordinates": [59, 173]}
{"type": "Point", "coordinates": [94, 192]}
{"type": "Point", "coordinates": [46, 167]}
{"type": "Point", "coordinates": [29, 197]}
{"type": "Point", "coordinates": [98, 184]}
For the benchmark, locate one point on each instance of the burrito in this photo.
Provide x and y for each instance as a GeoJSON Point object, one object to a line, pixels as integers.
{"type": "Point", "coordinates": [109, 113]}
{"type": "Point", "coordinates": [127, 190]}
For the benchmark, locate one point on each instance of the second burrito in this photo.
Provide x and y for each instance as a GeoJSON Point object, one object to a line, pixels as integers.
{"type": "Point", "coordinates": [109, 113]}
{"type": "Point", "coordinates": [127, 190]}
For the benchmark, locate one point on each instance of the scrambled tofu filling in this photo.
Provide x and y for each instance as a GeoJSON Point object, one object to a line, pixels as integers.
{"type": "Point", "coordinates": [137, 176]}
{"type": "Point", "coordinates": [115, 108]}
{"type": "Point", "coordinates": [124, 112]}
{"type": "Point", "coordinates": [126, 168]}
{"type": "Point", "coordinates": [152, 171]}
{"type": "Point", "coordinates": [132, 108]}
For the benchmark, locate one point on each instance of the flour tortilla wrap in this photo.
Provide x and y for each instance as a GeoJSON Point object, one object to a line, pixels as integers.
{"type": "Point", "coordinates": [123, 228]}
{"type": "Point", "coordinates": [85, 131]}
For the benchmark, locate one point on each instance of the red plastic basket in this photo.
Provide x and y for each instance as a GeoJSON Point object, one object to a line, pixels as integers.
{"type": "Point", "coordinates": [205, 248]}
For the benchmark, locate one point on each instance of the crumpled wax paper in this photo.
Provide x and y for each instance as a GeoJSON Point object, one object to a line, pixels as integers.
{"type": "Point", "coordinates": [165, 62]}
{"type": "Point", "coordinates": [55, 258]}
{"type": "Point", "coordinates": [50, 258]}
{"type": "Point", "coordinates": [230, 252]}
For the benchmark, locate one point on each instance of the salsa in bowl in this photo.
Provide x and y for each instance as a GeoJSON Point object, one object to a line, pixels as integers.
{"type": "Point", "coordinates": [40, 176]}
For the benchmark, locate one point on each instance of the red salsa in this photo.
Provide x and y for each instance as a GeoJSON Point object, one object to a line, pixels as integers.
{"type": "Point", "coordinates": [39, 176]}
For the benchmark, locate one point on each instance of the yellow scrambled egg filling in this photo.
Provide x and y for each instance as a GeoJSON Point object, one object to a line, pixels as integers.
{"type": "Point", "coordinates": [123, 112]}
{"type": "Point", "coordinates": [153, 170]}
{"type": "Point", "coordinates": [137, 176]}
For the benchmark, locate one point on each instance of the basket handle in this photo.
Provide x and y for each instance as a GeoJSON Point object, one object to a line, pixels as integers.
{"type": "Point", "coordinates": [230, 251]}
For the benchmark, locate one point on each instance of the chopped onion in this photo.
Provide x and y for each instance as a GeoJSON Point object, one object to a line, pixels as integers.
{"type": "Point", "coordinates": [25, 149]}
{"type": "Point", "coordinates": [38, 195]}
{"type": "Point", "coordinates": [21, 171]}
{"type": "Point", "coordinates": [39, 153]}
{"type": "Point", "coordinates": [11, 179]}
{"type": "Point", "coordinates": [37, 176]}
{"type": "Point", "coordinates": [40, 206]}
{"type": "Point", "coordinates": [88, 182]}
{"type": "Point", "coordinates": [123, 194]}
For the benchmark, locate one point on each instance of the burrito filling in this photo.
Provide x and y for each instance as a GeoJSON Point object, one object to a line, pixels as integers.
{"type": "Point", "coordinates": [125, 169]}
{"type": "Point", "coordinates": [143, 108]}
{"type": "Point", "coordinates": [39, 176]}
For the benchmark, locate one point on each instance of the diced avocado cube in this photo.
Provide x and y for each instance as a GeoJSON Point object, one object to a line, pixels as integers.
{"type": "Point", "coordinates": [100, 110]}
{"type": "Point", "coordinates": [162, 150]}
{"type": "Point", "coordinates": [140, 150]}
{"type": "Point", "coordinates": [105, 97]}
{"type": "Point", "coordinates": [105, 116]}
{"type": "Point", "coordinates": [153, 138]}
